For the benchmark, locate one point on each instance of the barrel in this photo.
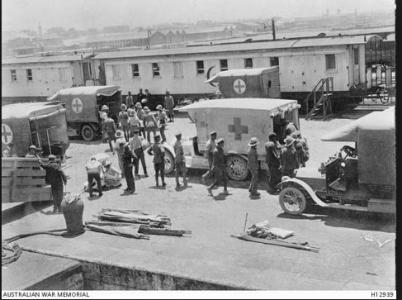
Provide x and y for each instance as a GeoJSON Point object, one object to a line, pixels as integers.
{"type": "Point", "coordinates": [73, 208]}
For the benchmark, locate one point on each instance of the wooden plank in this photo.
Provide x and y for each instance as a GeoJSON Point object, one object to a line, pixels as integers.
{"type": "Point", "coordinates": [7, 164]}
{"type": "Point", "coordinates": [31, 194]}
{"type": "Point", "coordinates": [31, 181]}
{"type": "Point", "coordinates": [29, 172]}
{"type": "Point", "coordinates": [7, 172]}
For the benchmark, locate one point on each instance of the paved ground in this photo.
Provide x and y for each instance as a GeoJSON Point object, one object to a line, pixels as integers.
{"type": "Point", "coordinates": [345, 261]}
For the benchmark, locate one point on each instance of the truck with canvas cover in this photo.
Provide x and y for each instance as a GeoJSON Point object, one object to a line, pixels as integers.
{"type": "Point", "coordinates": [361, 178]}
{"type": "Point", "coordinates": [42, 124]}
{"type": "Point", "coordinates": [236, 121]}
{"type": "Point", "coordinates": [248, 83]}
{"type": "Point", "coordinates": [83, 105]}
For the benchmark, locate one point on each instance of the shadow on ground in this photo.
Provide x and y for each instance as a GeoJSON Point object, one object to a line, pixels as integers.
{"type": "Point", "coordinates": [23, 210]}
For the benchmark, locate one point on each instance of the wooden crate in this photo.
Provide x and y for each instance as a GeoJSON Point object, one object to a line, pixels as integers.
{"type": "Point", "coordinates": [31, 194]}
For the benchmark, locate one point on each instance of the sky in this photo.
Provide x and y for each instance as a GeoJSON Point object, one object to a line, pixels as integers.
{"type": "Point", "coordinates": [83, 14]}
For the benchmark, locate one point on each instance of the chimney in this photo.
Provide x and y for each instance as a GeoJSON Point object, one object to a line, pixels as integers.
{"type": "Point", "coordinates": [273, 30]}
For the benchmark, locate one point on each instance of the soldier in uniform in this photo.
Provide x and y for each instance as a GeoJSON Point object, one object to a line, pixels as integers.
{"type": "Point", "coordinates": [162, 121]}
{"type": "Point", "coordinates": [272, 158]}
{"type": "Point", "coordinates": [136, 146]}
{"type": "Point", "coordinates": [120, 140]}
{"type": "Point", "coordinates": [109, 128]}
{"type": "Point", "coordinates": [179, 161]}
{"type": "Point", "coordinates": [94, 170]}
{"type": "Point", "coordinates": [211, 145]}
{"type": "Point", "coordinates": [301, 148]}
{"type": "Point", "coordinates": [123, 120]}
{"type": "Point", "coordinates": [252, 165]}
{"type": "Point", "coordinates": [33, 152]}
{"type": "Point", "coordinates": [289, 161]}
{"type": "Point", "coordinates": [128, 161]}
{"type": "Point", "coordinates": [150, 123]}
{"type": "Point", "coordinates": [129, 100]}
{"type": "Point", "coordinates": [158, 151]}
{"type": "Point", "coordinates": [56, 178]}
{"type": "Point", "coordinates": [219, 168]}
{"type": "Point", "coordinates": [140, 96]}
{"type": "Point", "coordinates": [140, 114]}
{"type": "Point", "coordinates": [169, 104]}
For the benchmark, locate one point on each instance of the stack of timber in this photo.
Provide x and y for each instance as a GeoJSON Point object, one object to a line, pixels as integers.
{"type": "Point", "coordinates": [23, 180]}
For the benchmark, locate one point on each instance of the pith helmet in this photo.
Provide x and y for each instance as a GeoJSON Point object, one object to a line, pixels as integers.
{"type": "Point", "coordinates": [253, 142]}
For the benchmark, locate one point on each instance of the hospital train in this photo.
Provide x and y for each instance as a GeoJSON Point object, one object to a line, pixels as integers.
{"type": "Point", "coordinates": [350, 60]}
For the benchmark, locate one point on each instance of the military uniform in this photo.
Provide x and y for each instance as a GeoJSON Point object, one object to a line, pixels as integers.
{"type": "Point", "coordinates": [169, 105]}
{"type": "Point", "coordinates": [180, 163]}
{"type": "Point", "coordinates": [94, 169]}
{"type": "Point", "coordinates": [211, 146]}
{"type": "Point", "coordinates": [162, 124]}
{"type": "Point", "coordinates": [110, 128]}
{"type": "Point", "coordinates": [273, 161]}
{"type": "Point", "coordinates": [128, 161]}
{"type": "Point", "coordinates": [158, 151]}
{"type": "Point", "coordinates": [136, 148]}
{"type": "Point", "coordinates": [289, 161]}
{"type": "Point", "coordinates": [56, 178]}
{"type": "Point", "coordinates": [150, 125]}
{"type": "Point", "coordinates": [123, 119]}
{"type": "Point", "coordinates": [252, 165]}
{"type": "Point", "coordinates": [219, 168]}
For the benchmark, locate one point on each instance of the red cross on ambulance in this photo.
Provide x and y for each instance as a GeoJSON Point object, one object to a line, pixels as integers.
{"type": "Point", "coordinates": [237, 128]}
{"type": "Point", "coordinates": [239, 86]}
{"type": "Point", "coordinates": [77, 105]}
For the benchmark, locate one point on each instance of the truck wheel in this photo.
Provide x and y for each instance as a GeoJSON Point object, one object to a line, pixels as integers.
{"type": "Point", "coordinates": [169, 162]}
{"type": "Point", "coordinates": [236, 168]}
{"type": "Point", "coordinates": [292, 200]}
{"type": "Point", "coordinates": [87, 133]}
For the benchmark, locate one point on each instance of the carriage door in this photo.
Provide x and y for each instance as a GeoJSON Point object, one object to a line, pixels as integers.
{"type": "Point", "coordinates": [356, 65]}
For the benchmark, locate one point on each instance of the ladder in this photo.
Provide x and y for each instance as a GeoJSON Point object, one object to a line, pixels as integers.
{"type": "Point", "coordinates": [321, 94]}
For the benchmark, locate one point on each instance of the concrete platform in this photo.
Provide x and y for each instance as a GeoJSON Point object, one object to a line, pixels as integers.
{"type": "Point", "coordinates": [210, 257]}
{"type": "Point", "coordinates": [34, 271]}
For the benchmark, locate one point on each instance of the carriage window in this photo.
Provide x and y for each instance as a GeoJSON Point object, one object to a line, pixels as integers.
{"type": "Point", "coordinates": [356, 55]}
{"type": "Point", "coordinates": [330, 61]}
{"type": "Point", "coordinates": [248, 63]}
{"type": "Point", "coordinates": [135, 71]}
{"type": "Point", "coordinates": [13, 75]}
{"type": "Point", "coordinates": [200, 66]}
{"type": "Point", "coordinates": [224, 64]}
{"type": "Point", "coordinates": [274, 61]}
{"type": "Point", "coordinates": [155, 69]}
{"type": "Point", "coordinates": [178, 70]}
{"type": "Point", "coordinates": [29, 74]}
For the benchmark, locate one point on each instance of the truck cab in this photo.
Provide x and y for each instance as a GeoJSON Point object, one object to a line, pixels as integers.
{"type": "Point", "coordinates": [83, 105]}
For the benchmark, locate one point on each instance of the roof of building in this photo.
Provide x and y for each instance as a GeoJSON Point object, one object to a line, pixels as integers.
{"type": "Point", "coordinates": [88, 90]}
{"type": "Point", "coordinates": [277, 44]}
{"type": "Point", "coordinates": [267, 104]}
{"type": "Point", "coordinates": [40, 59]}
{"type": "Point", "coordinates": [26, 110]}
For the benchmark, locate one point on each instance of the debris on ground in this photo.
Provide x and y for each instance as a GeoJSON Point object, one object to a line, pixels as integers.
{"type": "Point", "coordinates": [133, 224]}
{"type": "Point", "coordinates": [370, 238]}
{"type": "Point", "coordinates": [263, 233]}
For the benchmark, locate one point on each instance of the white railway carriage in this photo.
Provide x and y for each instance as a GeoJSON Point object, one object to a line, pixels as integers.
{"type": "Point", "coordinates": [302, 62]}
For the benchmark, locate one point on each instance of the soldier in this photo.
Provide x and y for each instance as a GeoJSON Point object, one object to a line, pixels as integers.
{"type": "Point", "coordinates": [211, 145]}
{"type": "Point", "coordinates": [56, 178]}
{"type": "Point", "coordinates": [33, 152]}
{"type": "Point", "coordinates": [129, 100]}
{"type": "Point", "coordinates": [252, 165]}
{"type": "Point", "coordinates": [120, 140]}
{"type": "Point", "coordinates": [289, 162]}
{"type": "Point", "coordinates": [301, 148]}
{"type": "Point", "coordinates": [136, 146]}
{"type": "Point", "coordinates": [128, 160]}
{"type": "Point", "coordinates": [134, 123]}
{"type": "Point", "coordinates": [219, 168]}
{"type": "Point", "coordinates": [162, 121]}
{"type": "Point", "coordinates": [290, 128]}
{"type": "Point", "coordinates": [169, 104]}
{"type": "Point", "coordinates": [123, 120]}
{"type": "Point", "coordinates": [158, 151]}
{"type": "Point", "coordinates": [140, 114]}
{"type": "Point", "coordinates": [272, 158]}
{"type": "Point", "coordinates": [94, 170]}
{"type": "Point", "coordinates": [140, 96]}
{"type": "Point", "coordinates": [150, 123]}
{"type": "Point", "coordinates": [179, 161]}
{"type": "Point", "coordinates": [109, 128]}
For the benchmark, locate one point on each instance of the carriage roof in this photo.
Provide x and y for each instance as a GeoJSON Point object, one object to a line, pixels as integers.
{"type": "Point", "coordinates": [27, 110]}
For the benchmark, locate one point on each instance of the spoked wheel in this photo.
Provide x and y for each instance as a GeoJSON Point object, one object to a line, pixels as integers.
{"type": "Point", "coordinates": [169, 162]}
{"type": "Point", "coordinates": [87, 133]}
{"type": "Point", "coordinates": [236, 168]}
{"type": "Point", "coordinates": [292, 200]}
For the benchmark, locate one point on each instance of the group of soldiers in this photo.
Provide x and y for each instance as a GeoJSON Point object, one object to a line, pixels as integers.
{"type": "Point", "coordinates": [282, 159]}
